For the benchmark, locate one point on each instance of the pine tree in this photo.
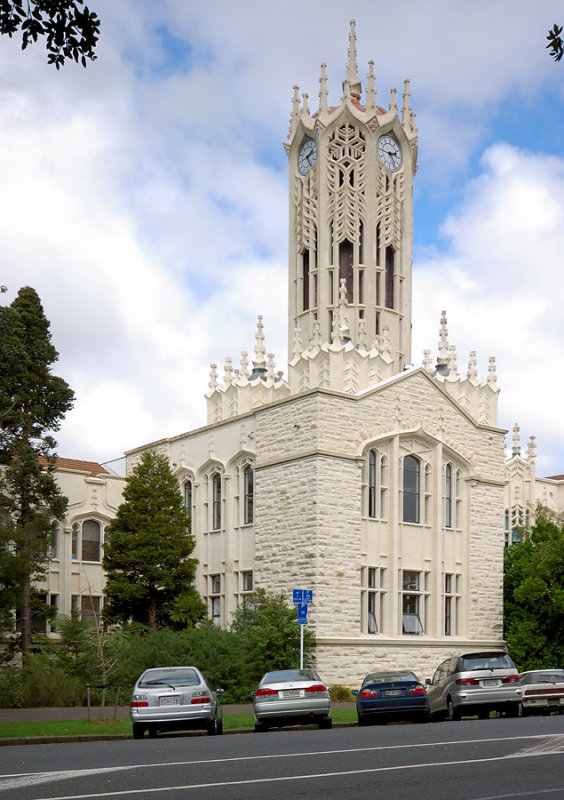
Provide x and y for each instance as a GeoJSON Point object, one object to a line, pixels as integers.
{"type": "Point", "coordinates": [33, 403]}
{"type": "Point", "coordinates": [150, 572]}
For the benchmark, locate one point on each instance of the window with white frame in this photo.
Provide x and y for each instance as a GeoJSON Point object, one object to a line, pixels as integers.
{"type": "Point", "coordinates": [376, 485]}
{"type": "Point", "coordinates": [86, 540]}
{"type": "Point", "coordinates": [188, 503]}
{"type": "Point", "coordinates": [427, 500]}
{"type": "Point", "coordinates": [216, 501]}
{"type": "Point", "coordinates": [90, 606]}
{"type": "Point", "coordinates": [54, 541]}
{"type": "Point", "coordinates": [373, 599]}
{"type": "Point", "coordinates": [383, 487]}
{"type": "Point", "coordinates": [248, 494]}
{"type": "Point", "coordinates": [452, 600]}
{"type": "Point", "coordinates": [414, 601]}
{"type": "Point", "coordinates": [411, 489]}
{"type": "Point", "coordinates": [215, 598]}
{"type": "Point", "coordinates": [372, 464]}
{"type": "Point", "coordinates": [247, 581]}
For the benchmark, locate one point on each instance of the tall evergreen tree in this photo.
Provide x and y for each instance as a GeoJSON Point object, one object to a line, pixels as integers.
{"type": "Point", "coordinates": [150, 572]}
{"type": "Point", "coordinates": [33, 403]}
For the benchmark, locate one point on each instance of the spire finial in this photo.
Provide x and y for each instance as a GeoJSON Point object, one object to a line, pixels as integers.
{"type": "Point", "coordinates": [516, 449]}
{"type": "Point", "coordinates": [244, 364]}
{"type": "Point", "coordinates": [492, 375]}
{"type": "Point", "coordinates": [305, 104]}
{"type": "Point", "coordinates": [406, 110]}
{"type": "Point", "coordinates": [352, 64]}
{"type": "Point", "coordinates": [442, 358]}
{"type": "Point", "coordinates": [323, 93]}
{"type": "Point", "coordinates": [213, 377]}
{"type": "Point", "coordinates": [371, 88]}
{"type": "Point", "coordinates": [532, 450]}
{"type": "Point", "coordinates": [472, 366]}
{"type": "Point", "coordinates": [295, 109]}
{"type": "Point", "coordinates": [259, 361]}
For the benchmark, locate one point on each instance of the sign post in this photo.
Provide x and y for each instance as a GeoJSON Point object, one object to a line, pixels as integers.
{"type": "Point", "coordinates": [302, 598]}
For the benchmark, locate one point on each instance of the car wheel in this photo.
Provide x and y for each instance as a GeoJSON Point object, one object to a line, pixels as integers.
{"type": "Point", "coordinates": [260, 727]}
{"type": "Point", "coordinates": [212, 727]}
{"type": "Point", "coordinates": [219, 727]}
{"type": "Point", "coordinates": [424, 716]}
{"type": "Point", "coordinates": [326, 723]}
{"type": "Point", "coordinates": [512, 710]}
{"type": "Point", "coordinates": [138, 731]}
{"type": "Point", "coordinates": [152, 733]}
{"type": "Point", "coordinates": [362, 722]}
{"type": "Point", "coordinates": [453, 712]}
{"type": "Point", "coordinates": [484, 713]}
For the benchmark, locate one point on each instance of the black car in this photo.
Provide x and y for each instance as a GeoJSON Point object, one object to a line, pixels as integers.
{"type": "Point", "coordinates": [391, 695]}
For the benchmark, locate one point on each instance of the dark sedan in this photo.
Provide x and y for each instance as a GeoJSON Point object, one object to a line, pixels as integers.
{"type": "Point", "coordinates": [391, 695]}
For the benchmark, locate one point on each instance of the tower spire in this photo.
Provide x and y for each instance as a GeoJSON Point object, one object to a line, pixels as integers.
{"type": "Point", "coordinates": [352, 65]}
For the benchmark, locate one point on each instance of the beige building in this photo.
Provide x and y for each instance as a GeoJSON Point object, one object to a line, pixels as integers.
{"type": "Point", "coordinates": [377, 485]}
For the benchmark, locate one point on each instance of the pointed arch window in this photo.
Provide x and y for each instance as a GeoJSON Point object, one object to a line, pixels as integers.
{"type": "Point", "coordinates": [249, 491]}
{"type": "Point", "coordinates": [188, 504]}
{"type": "Point", "coordinates": [216, 501]}
{"type": "Point", "coordinates": [91, 540]}
{"type": "Point", "coordinates": [448, 495]}
{"type": "Point", "coordinates": [372, 461]}
{"type": "Point", "coordinates": [411, 488]}
{"type": "Point", "coordinates": [346, 267]}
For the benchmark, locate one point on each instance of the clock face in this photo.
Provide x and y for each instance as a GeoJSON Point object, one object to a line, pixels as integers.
{"type": "Point", "coordinates": [389, 152]}
{"type": "Point", "coordinates": [307, 156]}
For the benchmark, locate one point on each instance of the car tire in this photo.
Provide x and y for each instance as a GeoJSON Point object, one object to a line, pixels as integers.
{"type": "Point", "coordinates": [424, 716]}
{"type": "Point", "coordinates": [513, 710]}
{"type": "Point", "coordinates": [138, 731]}
{"type": "Point", "coordinates": [363, 722]}
{"type": "Point", "coordinates": [453, 713]}
{"type": "Point", "coordinates": [260, 727]}
{"type": "Point", "coordinates": [484, 713]}
{"type": "Point", "coordinates": [212, 726]}
{"type": "Point", "coordinates": [326, 723]}
{"type": "Point", "coordinates": [219, 727]}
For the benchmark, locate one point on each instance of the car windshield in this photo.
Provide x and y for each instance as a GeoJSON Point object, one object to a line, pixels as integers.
{"type": "Point", "coordinates": [170, 677]}
{"type": "Point", "coordinates": [485, 661]}
{"type": "Point", "coordinates": [289, 676]}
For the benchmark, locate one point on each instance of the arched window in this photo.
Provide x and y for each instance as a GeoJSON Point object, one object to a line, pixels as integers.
{"type": "Point", "coordinates": [411, 489]}
{"type": "Point", "coordinates": [383, 487]}
{"type": "Point", "coordinates": [216, 501]}
{"type": "Point", "coordinates": [448, 496]}
{"type": "Point", "coordinates": [188, 503]}
{"type": "Point", "coordinates": [248, 487]}
{"type": "Point", "coordinates": [372, 483]}
{"type": "Point", "coordinates": [91, 540]}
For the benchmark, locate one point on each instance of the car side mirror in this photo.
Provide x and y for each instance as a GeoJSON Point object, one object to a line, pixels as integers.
{"type": "Point", "coordinates": [354, 692]}
{"type": "Point", "coordinates": [219, 691]}
{"type": "Point", "coordinates": [253, 694]}
{"type": "Point", "coordinates": [428, 682]}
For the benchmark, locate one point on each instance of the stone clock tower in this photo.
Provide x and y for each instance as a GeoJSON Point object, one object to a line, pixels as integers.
{"type": "Point", "coordinates": [351, 173]}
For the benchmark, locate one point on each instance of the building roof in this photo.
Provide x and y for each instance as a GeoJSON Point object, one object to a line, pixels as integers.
{"type": "Point", "coordinates": [80, 466]}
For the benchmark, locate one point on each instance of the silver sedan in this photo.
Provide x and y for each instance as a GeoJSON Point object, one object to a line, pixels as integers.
{"type": "Point", "coordinates": [291, 697]}
{"type": "Point", "coordinates": [174, 698]}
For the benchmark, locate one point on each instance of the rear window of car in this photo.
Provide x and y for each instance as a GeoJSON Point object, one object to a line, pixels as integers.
{"type": "Point", "coordinates": [185, 677]}
{"type": "Point", "coordinates": [283, 675]}
{"type": "Point", "coordinates": [486, 661]}
{"type": "Point", "coordinates": [392, 677]}
{"type": "Point", "coordinates": [554, 676]}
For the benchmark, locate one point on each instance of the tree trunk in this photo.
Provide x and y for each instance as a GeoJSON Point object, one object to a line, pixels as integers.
{"type": "Point", "coordinates": [26, 617]}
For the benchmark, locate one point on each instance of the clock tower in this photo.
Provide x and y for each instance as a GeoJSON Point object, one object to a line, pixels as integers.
{"type": "Point", "coordinates": [351, 170]}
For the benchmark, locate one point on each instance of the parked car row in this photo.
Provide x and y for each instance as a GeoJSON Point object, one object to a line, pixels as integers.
{"type": "Point", "coordinates": [180, 698]}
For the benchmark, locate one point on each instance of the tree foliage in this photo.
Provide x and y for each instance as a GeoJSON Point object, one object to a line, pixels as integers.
{"type": "Point", "coordinates": [555, 42]}
{"type": "Point", "coordinates": [70, 30]}
{"type": "Point", "coordinates": [271, 635]}
{"type": "Point", "coordinates": [33, 403]}
{"type": "Point", "coordinates": [150, 571]}
{"type": "Point", "coordinates": [534, 595]}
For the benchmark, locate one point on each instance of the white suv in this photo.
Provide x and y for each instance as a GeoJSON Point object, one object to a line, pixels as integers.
{"type": "Point", "coordinates": [475, 683]}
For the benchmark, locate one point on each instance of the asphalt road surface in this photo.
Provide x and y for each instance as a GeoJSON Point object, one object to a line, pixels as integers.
{"type": "Point", "coordinates": [498, 759]}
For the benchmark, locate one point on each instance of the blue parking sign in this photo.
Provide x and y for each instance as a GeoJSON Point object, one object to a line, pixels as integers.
{"type": "Point", "coordinates": [302, 613]}
{"type": "Point", "coordinates": [297, 596]}
{"type": "Point", "coordinates": [308, 596]}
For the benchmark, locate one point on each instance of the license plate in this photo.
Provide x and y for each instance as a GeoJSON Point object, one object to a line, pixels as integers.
{"type": "Point", "coordinates": [291, 693]}
{"type": "Point", "coordinates": [169, 701]}
{"type": "Point", "coordinates": [393, 692]}
{"type": "Point", "coordinates": [491, 683]}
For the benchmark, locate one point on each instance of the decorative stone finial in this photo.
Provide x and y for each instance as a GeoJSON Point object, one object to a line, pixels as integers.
{"type": "Point", "coordinates": [427, 360]}
{"type": "Point", "coordinates": [452, 365]}
{"type": "Point", "coordinates": [352, 65]}
{"type": "Point", "coordinates": [259, 360]}
{"type": "Point", "coordinates": [305, 104]}
{"type": "Point", "coordinates": [406, 110]}
{"type": "Point", "coordinates": [213, 377]}
{"type": "Point", "coordinates": [492, 375]}
{"type": "Point", "coordinates": [472, 367]}
{"type": "Point", "coordinates": [532, 450]}
{"type": "Point", "coordinates": [393, 100]}
{"type": "Point", "coordinates": [323, 92]}
{"type": "Point", "coordinates": [297, 349]}
{"type": "Point", "coordinates": [244, 364]}
{"type": "Point", "coordinates": [516, 448]}
{"type": "Point", "coordinates": [228, 371]}
{"type": "Point", "coordinates": [442, 358]}
{"type": "Point", "coordinates": [371, 88]}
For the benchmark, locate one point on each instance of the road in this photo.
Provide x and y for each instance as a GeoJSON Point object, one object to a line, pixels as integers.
{"type": "Point", "coordinates": [496, 759]}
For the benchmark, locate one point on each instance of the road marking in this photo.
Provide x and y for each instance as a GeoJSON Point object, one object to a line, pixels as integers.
{"type": "Point", "coordinates": [555, 744]}
{"type": "Point", "coordinates": [285, 779]}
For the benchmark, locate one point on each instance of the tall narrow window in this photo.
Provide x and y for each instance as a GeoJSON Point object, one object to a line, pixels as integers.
{"type": "Point", "coordinates": [91, 540]}
{"type": "Point", "coordinates": [452, 604]}
{"type": "Point", "coordinates": [216, 501]}
{"type": "Point", "coordinates": [54, 543]}
{"type": "Point", "coordinates": [188, 504]}
{"type": "Point", "coordinates": [413, 602]}
{"type": "Point", "coordinates": [361, 243]}
{"type": "Point", "coordinates": [427, 501]}
{"type": "Point", "coordinates": [74, 540]}
{"type": "Point", "coordinates": [305, 280]}
{"type": "Point", "coordinates": [215, 598]}
{"type": "Point", "coordinates": [247, 581]}
{"type": "Point", "coordinates": [248, 480]}
{"type": "Point", "coordinates": [390, 277]}
{"type": "Point", "coordinates": [346, 267]}
{"type": "Point", "coordinates": [361, 286]}
{"type": "Point", "coordinates": [90, 608]}
{"type": "Point", "coordinates": [411, 489]}
{"type": "Point", "coordinates": [448, 495]}
{"type": "Point", "coordinates": [372, 483]}
{"type": "Point", "coordinates": [374, 598]}
{"type": "Point", "coordinates": [383, 487]}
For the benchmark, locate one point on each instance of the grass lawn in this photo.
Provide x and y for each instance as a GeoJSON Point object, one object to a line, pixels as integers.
{"type": "Point", "coordinates": [122, 727]}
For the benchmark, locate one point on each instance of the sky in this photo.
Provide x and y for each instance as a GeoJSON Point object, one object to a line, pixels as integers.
{"type": "Point", "coordinates": [145, 197]}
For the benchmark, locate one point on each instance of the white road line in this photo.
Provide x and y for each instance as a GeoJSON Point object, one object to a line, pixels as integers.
{"type": "Point", "coordinates": [255, 781]}
{"type": "Point", "coordinates": [555, 744]}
